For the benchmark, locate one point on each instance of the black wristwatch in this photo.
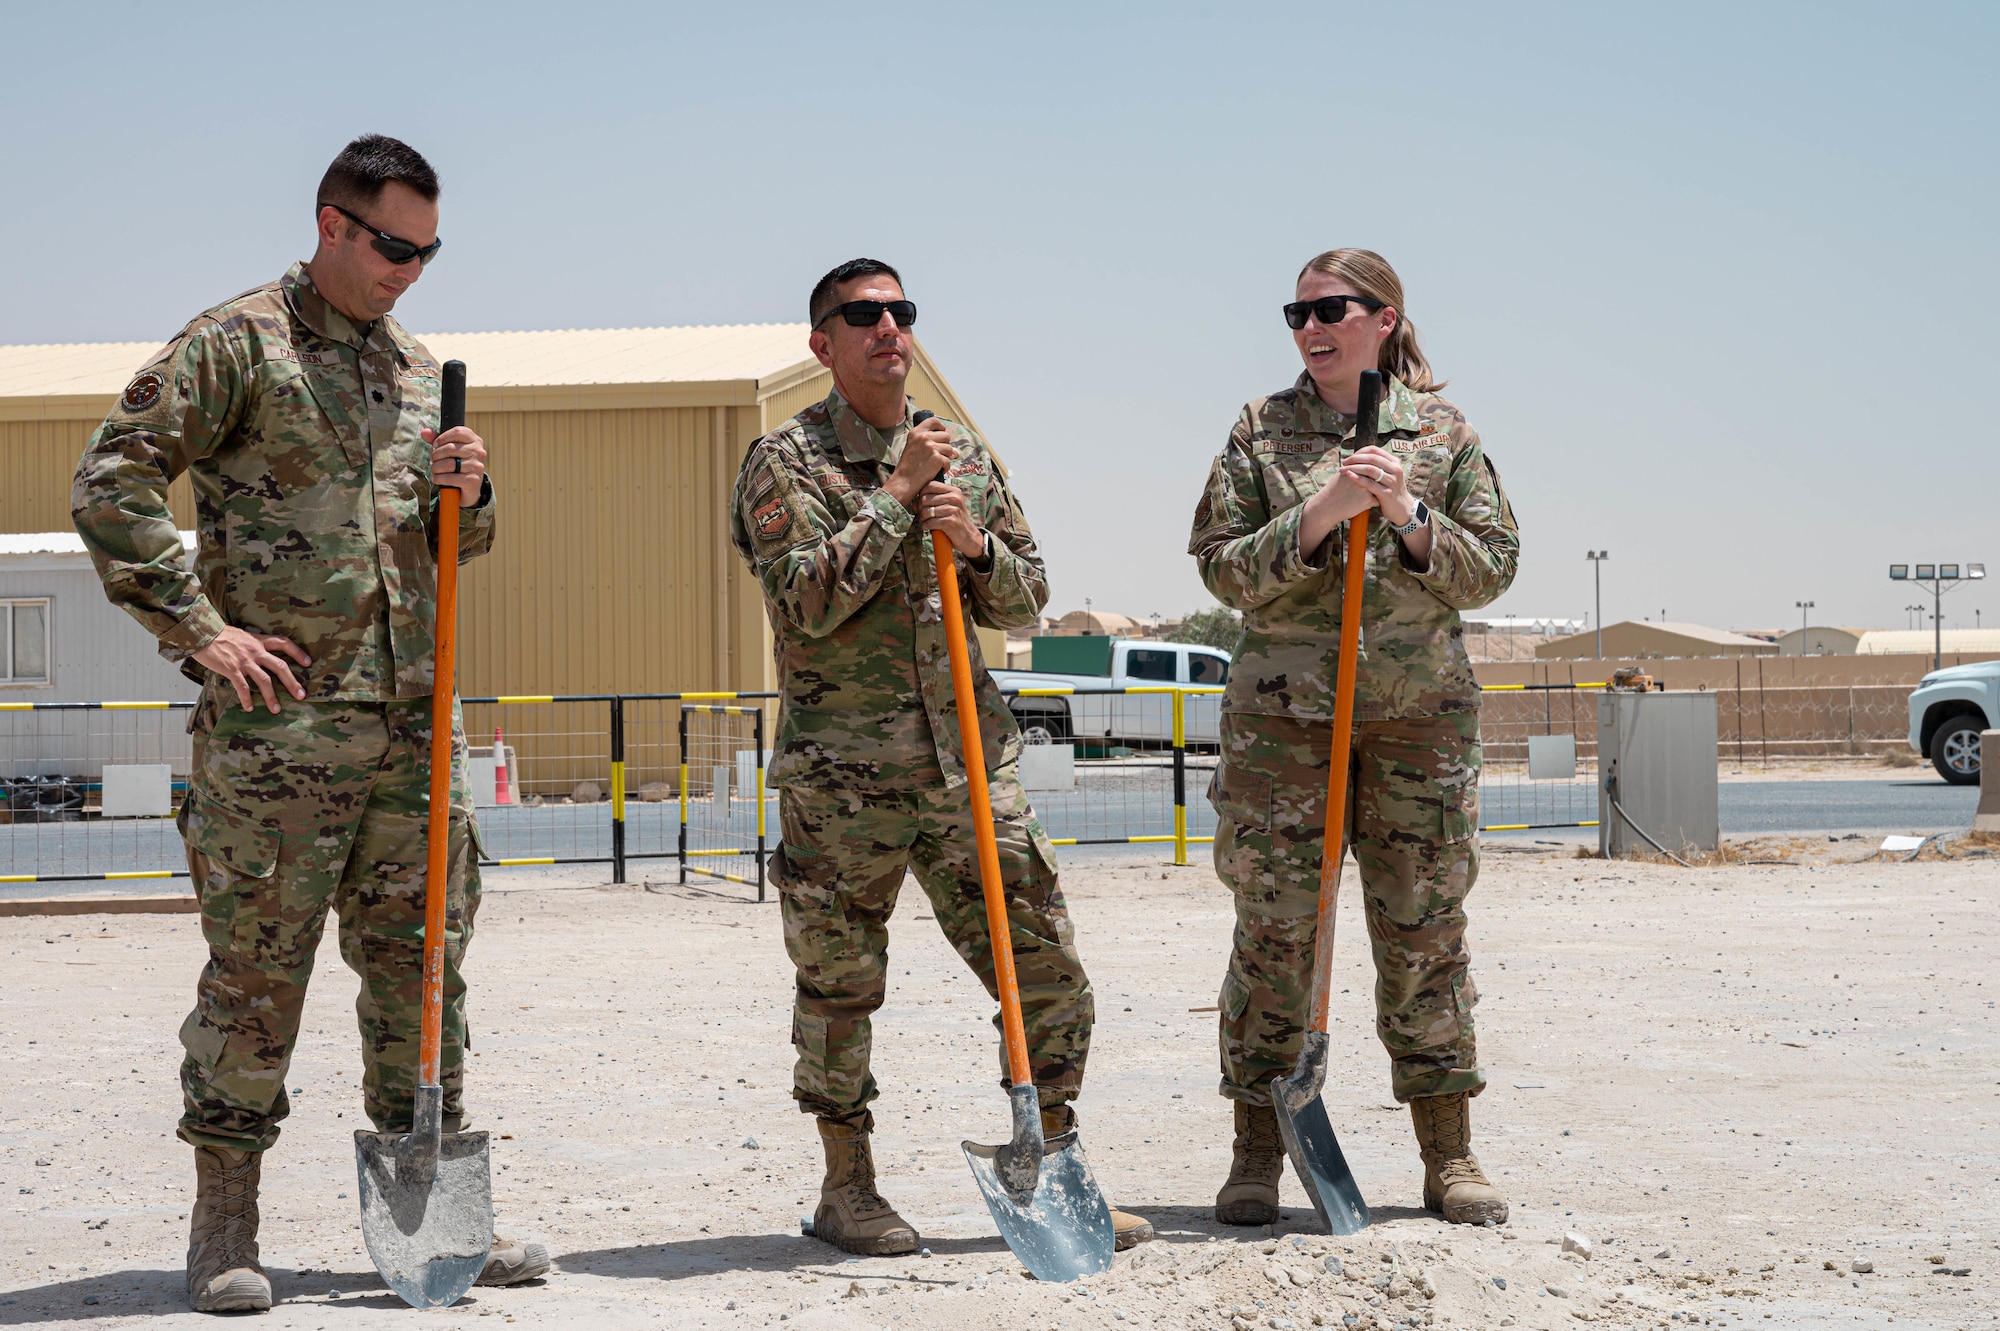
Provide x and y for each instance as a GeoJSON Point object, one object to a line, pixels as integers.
{"type": "Point", "coordinates": [1419, 517]}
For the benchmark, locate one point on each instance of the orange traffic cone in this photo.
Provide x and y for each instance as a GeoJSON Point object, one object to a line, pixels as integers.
{"type": "Point", "coordinates": [503, 793]}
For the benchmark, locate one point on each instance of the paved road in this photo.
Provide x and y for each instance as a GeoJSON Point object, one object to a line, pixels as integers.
{"type": "Point", "coordinates": [1915, 804]}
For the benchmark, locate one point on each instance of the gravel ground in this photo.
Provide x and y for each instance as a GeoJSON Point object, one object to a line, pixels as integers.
{"type": "Point", "coordinates": [1734, 1083]}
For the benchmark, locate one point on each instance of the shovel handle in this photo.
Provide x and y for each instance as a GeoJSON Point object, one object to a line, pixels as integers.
{"type": "Point", "coordinates": [1334, 850]}
{"type": "Point", "coordinates": [451, 414]}
{"type": "Point", "coordinates": [1018, 1071]}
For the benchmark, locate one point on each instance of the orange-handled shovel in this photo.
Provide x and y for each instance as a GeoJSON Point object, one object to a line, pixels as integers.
{"type": "Point", "coordinates": [1043, 1197]}
{"type": "Point", "coordinates": [427, 1195]}
{"type": "Point", "coordinates": [1302, 1119]}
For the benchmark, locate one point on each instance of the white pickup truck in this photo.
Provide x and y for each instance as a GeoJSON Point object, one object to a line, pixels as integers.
{"type": "Point", "coordinates": [1084, 664]}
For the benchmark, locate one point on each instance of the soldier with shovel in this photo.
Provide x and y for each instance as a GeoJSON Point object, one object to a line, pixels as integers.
{"type": "Point", "coordinates": [304, 413]}
{"type": "Point", "coordinates": [833, 511]}
{"type": "Point", "coordinates": [1267, 541]}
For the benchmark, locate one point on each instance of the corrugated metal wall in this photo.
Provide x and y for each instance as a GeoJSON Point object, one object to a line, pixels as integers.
{"type": "Point", "coordinates": [613, 570]}
{"type": "Point", "coordinates": [37, 460]}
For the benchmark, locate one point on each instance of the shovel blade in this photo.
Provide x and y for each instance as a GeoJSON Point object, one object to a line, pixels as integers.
{"type": "Point", "coordinates": [1309, 1141]}
{"type": "Point", "coordinates": [429, 1239]}
{"type": "Point", "coordinates": [1062, 1229]}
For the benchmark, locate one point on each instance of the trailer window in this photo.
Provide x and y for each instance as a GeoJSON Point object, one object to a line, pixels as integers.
{"type": "Point", "coordinates": [1150, 663]}
{"type": "Point", "coordinates": [24, 642]}
{"type": "Point", "coordinates": [1207, 669]}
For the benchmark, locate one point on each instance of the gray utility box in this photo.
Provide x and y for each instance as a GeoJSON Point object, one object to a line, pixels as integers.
{"type": "Point", "coordinates": [1656, 754]}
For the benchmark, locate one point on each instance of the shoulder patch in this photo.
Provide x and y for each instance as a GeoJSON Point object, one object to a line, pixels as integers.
{"type": "Point", "coordinates": [143, 392]}
{"type": "Point", "coordinates": [1204, 511]}
{"type": "Point", "coordinates": [770, 518]}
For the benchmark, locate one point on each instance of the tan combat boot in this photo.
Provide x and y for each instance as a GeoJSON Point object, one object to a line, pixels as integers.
{"type": "Point", "coordinates": [1454, 1184]}
{"type": "Point", "coordinates": [512, 1262]}
{"type": "Point", "coordinates": [852, 1216]}
{"type": "Point", "coordinates": [222, 1271]}
{"type": "Point", "coordinates": [1250, 1197]}
{"type": "Point", "coordinates": [1128, 1230]}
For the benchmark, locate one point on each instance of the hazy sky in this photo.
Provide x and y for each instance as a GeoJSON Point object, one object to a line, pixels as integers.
{"type": "Point", "coordinates": [1714, 283]}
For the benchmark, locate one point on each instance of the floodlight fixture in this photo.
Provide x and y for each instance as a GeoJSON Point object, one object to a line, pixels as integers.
{"type": "Point", "coordinates": [1975, 570]}
{"type": "Point", "coordinates": [1926, 572]}
{"type": "Point", "coordinates": [1899, 572]}
{"type": "Point", "coordinates": [1947, 571]}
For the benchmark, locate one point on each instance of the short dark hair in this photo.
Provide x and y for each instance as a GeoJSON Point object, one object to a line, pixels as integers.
{"type": "Point", "coordinates": [822, 296]}
{"type": "Point", "coordinates": [365, 166]}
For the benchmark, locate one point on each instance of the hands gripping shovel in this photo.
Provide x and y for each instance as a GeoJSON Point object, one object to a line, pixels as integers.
{"type": "Point", "coordinates": [1042, 1194]}
{"type": "Point", "coordinates": [1302, 1120]}
{"type": "Point", "coordinates": [427, 1195]}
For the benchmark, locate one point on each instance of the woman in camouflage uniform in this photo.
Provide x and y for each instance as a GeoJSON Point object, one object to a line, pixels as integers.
{"type": "Point", "coordinates": [1267, 538]}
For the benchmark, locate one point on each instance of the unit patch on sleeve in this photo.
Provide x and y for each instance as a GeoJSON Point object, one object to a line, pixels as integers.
{"type": "Point", "coordinates": [771, 519]}
{"type": "Point", "coordinates": [143, 392]}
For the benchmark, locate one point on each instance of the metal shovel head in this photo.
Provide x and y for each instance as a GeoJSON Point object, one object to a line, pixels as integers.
{"type": "Point", "coordinates": [428, 1238]}
{"type": "Point", "coordinates": [1044, 1199]}
{"type": "Point", "coordinates": [1310, 1142]}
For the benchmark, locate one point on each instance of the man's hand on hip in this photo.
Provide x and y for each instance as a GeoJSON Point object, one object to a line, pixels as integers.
{"type": "Point", "coordinates": [458, 457]}
{"type": "Point", "coordinates": [926, 451]}
{"type": "Point", "coordinates": [245, 659]}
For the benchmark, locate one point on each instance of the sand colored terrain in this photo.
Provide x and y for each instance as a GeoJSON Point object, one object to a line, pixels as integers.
{"type": "Point", "coordinates": [1735, 1082]}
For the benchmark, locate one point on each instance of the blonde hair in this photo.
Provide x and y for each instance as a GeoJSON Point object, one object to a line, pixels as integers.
{"type": "Point", "coordinates": [1370, 274]}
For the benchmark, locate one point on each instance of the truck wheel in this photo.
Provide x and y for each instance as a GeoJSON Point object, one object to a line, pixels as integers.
{"type": "Point", "coordinates": [1955, 750]}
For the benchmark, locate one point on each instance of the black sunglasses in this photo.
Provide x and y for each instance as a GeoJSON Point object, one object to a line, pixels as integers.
{"type": "Point", "coordinates": [868, 313]}
{"type": "Point", "coordinates": [393, 248]}
{"type": "Point", "coordinates": [1329, 310]}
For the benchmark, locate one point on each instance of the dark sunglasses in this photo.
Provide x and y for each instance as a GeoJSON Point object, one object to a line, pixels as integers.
{"type": "Point", "coordinates": [868, 313]}
{"type": "Point", "coordinates": [1329, 310]}
{"type": "Point", "coordinates": [393, 248]}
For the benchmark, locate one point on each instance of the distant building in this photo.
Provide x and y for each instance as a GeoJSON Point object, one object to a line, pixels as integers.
{"type": "Point", "coordinates": [1820, 640]}
{"type": "Point", "coordinates": [615, 450]}
{"type": "Point", "coordinates": [1898, 642]}
{"type": "Point", "coordinates": [1078, 623]}
{"type": "Point", "coordinates": [1631, 640]}
{"type": "Point", "coordinates": [62, 641]}
{"type": "Point", "coordinates": [1514, 638]}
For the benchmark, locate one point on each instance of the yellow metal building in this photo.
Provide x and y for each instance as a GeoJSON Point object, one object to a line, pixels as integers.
{"type": "Point", "coordinates": [614, 451]}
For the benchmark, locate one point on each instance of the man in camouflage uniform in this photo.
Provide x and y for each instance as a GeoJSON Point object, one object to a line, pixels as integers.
{"type": "Point", "coordinates": [302, 411]}
{"type": "Point", "coordinates": [1414, 780]}
{"type": "Point", "coordinates": [833, 512]}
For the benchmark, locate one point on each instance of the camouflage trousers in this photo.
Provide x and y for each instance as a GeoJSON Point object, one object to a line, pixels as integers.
{"type": "Point", "coordinates": [321, 806]}
{"type": "Point", "coordinates": [1412, 813]}
{"type": "Point", "coordinates": [838, 873]}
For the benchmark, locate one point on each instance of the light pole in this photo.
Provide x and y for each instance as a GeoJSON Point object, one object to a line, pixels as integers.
{"type": "Point", "coordinates": [1805, 611]}
{"type": "Point", "coordinates": [1942, 578]}
{"type": "Point", "coordinates": [1597, 558]}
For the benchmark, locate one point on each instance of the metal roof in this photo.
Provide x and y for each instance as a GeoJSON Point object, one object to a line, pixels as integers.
{"type": "Point", "coordinates": [708, 365]}
{"type": "Point", "coordinates": [56, 543]}
{"type": "Point", "coordinates": [1895, 642]}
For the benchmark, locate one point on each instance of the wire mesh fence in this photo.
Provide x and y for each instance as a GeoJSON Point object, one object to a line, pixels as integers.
{"type": "Point", "coordinates": [724, 810]}
{"type": "Point", "coordinates": [540, 786]}
{"type": "Point", "coordinates": [88, 791]}
{"type": "Point", "coordinates": [1538, 756]}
